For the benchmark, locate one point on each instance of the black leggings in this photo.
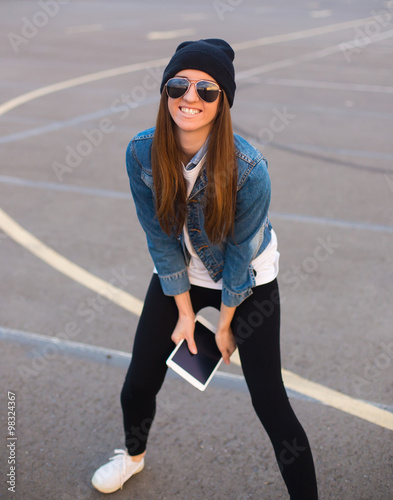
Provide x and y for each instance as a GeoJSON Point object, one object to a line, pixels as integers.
{"type": "Point", "coordinates": [256, 326]}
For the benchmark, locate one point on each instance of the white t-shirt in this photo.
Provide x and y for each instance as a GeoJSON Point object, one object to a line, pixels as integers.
{"type": "Point", "coordinates": [265, 265]}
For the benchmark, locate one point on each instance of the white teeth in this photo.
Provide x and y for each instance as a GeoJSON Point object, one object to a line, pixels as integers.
{"type": "Point", "coordinates": [190, 111]}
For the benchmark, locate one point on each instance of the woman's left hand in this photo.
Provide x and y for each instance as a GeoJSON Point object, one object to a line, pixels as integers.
{"type": "Point", "coordinates": [226, 343]}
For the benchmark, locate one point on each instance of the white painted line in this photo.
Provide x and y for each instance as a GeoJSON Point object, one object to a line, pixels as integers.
{"type": "Point", "coordinates": [69, 188]}
{"type": "Point", "coordinates": [168, 35]}
{"type": "Point", "coordinates": [52, 127]}
{"type": "Point", "coordinates": [87, 28]}
{"type": "Point", "coordinates": [71, 122]}
{"type": "Point", "coordinates": [125, 300]}
{"type": "Point", "coordinates": [315, 84]}
{"type": "Point", "coordinates": [39, 339]}
{"type": "Point", "coordinates": [333, 222]}
{"type": "Point", "coordinates": [80, 80]}
{"type": "Point", "coordinates": [89, 191]}
{"type": "Point", "coordinates": [73, 82]}
{"type": "Point", "coordinates": [319, 14]}
{"type": "Point", "coordinates": [68, 268]}
{"type": "Point", "coordinates": [359, 153]}
{"type": "Point", "coordinates": [299, 35]}
{"type": "Point", "coordinates": [364, 410]}
{"type": "Point", "coordinates": [319, 392]}
{"type": "Point", "coordinates": [309, 56]}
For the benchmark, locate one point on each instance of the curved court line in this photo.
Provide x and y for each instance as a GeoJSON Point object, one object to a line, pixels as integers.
{"type": "Point", "coordinates": [80, 80]}
{"type": "Point", "coordinates": [68, 268]}
{"type": "Point", "coordinates": [338, 400]}
{"type": "Point", "coordinates": [125, 300]}
{"type": "Point", "coordinates": [123, 70]}
{"type": "Point", "coordinates": [311, 390]}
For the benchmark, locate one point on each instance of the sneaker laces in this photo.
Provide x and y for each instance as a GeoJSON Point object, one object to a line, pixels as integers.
{"type": "Point", "coordinates": [121, 456]}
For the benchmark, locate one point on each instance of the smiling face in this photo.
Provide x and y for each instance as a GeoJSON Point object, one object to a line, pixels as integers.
{"type": "Point", "coordinates": [191, 114]}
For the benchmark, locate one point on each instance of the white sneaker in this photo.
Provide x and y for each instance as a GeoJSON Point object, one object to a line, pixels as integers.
{"type": "Point", "coordinates": [111, 476]}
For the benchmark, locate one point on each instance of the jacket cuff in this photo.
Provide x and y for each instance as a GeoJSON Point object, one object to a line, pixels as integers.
{"type": "Point", "coordinates": [175, 284]}
{"type": "Point", "coordinates": [231, 299]}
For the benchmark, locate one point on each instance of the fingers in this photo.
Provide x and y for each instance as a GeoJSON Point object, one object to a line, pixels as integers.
{"type": "Point", "coordinates": [191, 345]}
{"type": "Point", "coordinates": [185, 330]}
{"type": "Point", "coordinates": [190, 342]}
{"type": "Point", "coordinates": [226, 344]}
{"type": "Point", "coordinates": [226, 354]}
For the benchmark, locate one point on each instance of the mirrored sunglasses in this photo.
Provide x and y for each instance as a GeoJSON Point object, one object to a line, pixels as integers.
{"type": "Point", "coordinates": [178, 87]}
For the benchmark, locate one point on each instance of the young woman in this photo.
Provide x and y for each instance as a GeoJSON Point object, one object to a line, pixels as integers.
{"type": "Point", "coordinates": [202, 196]}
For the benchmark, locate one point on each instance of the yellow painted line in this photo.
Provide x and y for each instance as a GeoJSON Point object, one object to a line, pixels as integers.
{"type": "Point", "coordinates": [319, 392]}
{"type": "Point", "coordinates": [338, 400]}
{"type": "Point", "coordinates": [68, 268]}
{"type": "Point", "coordinates": [125, 300]}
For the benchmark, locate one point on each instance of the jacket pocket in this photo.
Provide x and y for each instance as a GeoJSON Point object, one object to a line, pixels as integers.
{"type": "Point", "coordinates": [147, 178]}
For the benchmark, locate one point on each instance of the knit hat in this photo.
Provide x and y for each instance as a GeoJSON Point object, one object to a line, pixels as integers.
{"type": "Point", "coordinates": [213, 56]}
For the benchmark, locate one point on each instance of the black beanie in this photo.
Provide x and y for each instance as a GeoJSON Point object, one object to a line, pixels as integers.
{"type": "Point", "coordinates": [213, 56]}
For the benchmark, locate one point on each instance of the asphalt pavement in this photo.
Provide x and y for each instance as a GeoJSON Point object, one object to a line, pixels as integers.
{"type": "Point", "coordinates": [314, 93]}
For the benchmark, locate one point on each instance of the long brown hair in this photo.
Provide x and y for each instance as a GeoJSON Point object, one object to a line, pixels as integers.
{"type": "Point", "coordinates": [170, 185]}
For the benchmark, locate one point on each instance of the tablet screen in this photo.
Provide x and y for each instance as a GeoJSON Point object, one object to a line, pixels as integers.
{"type": "Point", "coordinates": [202, 364]}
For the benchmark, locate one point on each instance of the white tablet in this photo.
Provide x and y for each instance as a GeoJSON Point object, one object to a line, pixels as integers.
{"type": "Point", "coordinates": [198, 369]}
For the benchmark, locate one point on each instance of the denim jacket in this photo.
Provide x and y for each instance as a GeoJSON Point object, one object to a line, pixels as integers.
{"type": "Point", "coordinates": [231, 259]}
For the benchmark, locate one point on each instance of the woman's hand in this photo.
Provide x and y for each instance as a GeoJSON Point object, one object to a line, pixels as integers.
{"type": "Point", "coordinates": [185, 325]}
{"type": "Point", "coordinates": [225, 339]}
{"type": "Point", "coordinates": [226, 343]}
{"type": "Point", "coordinates": [185, 330]}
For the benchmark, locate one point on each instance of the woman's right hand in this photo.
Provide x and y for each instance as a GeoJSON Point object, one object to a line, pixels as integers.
{"type": "Point", "coordinates": [184, 329]}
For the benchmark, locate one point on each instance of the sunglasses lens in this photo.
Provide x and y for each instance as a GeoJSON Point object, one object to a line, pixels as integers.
{"type": "Point", "coordinates": [176, 87]}
{"type": "Point", "coordinates": [208, 91]}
